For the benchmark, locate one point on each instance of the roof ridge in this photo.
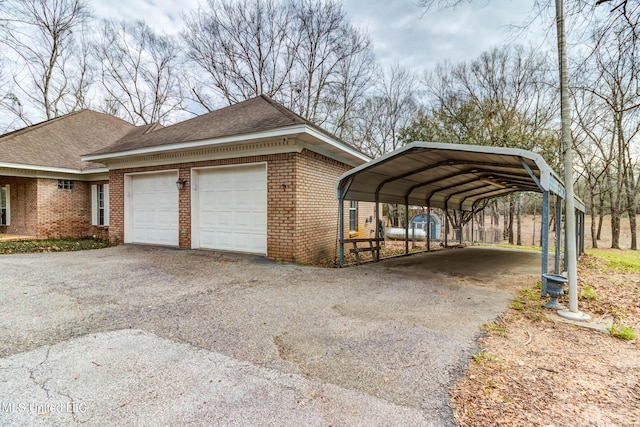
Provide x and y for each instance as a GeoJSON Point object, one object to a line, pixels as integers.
{"type": "Point", "coordinates": [152, 127]}
{"type": "Point", "coordinates": [284, 110]}
{"type": "Point", "coordinates": [40, 124]}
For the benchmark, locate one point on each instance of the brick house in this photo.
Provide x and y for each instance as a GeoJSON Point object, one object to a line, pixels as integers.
{"type": "Point", "coordinates": [46, 190]}
{"type": "Point", "coordinates": [253, 177]}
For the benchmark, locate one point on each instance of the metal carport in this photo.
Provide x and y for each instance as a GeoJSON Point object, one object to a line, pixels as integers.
{"type": "Point", "coordinates": [455, 176]}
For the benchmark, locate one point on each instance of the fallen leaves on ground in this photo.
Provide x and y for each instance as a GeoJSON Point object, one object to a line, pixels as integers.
{"type": "Point", "coordinates": [533, 370]}
{"type": "Point", "coordinates": [50, 245]}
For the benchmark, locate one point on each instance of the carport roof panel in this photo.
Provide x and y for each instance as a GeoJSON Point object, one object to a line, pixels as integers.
{"type": "Point", "coordinates": [456, 174]}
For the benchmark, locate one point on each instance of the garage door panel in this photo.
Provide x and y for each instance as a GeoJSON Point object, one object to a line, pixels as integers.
{"type": "Point", "coordinates": [232, 208]}
{"type": "Point", "coordinates": [153, 209]}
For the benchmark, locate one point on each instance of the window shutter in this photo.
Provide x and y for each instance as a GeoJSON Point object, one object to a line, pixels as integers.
{"type": "Point", "coordinates": [94, 204]}
{"type": "Point", "coordinates": [8, 207]}
{"type": "Point", "coordinates": [106, 204]}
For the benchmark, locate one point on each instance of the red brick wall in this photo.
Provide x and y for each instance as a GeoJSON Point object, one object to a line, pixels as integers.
{"type": "Point", "coordinates": [282, 207]}
{"type": "Point", "coordinates": [317, 219]}
{"type": "Point", "coordinates": [116, 207]}
{"type": "Point", "coordinates": [302, 212]}
{"type": "Point", "coordinates": [39, 209]}
{"type": "Point", "coordinates": [63, 213]}
{"type": "Point", "coordinates": [23, 205]}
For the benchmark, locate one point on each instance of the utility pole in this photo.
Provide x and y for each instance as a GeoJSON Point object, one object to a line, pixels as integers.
{"type": "Point", "coordinates": [567, 144]}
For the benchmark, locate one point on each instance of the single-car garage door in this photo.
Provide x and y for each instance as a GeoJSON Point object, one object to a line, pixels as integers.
{"type": "Point", "coordinates": [151, 210]}
{"type": "Point", "coordinates": [229, 208]}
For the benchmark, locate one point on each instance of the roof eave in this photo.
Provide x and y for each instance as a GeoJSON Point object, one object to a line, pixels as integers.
{"type": "Point", "coordinates": [52, 169]}
{"type": "Point", "coordinates": [269, 134]}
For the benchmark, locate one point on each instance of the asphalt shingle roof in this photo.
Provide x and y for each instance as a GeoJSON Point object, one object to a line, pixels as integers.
{"type": "Point", "coordinates": [60, 142]}
{"type": "Point", "coordinates": [254, 115]}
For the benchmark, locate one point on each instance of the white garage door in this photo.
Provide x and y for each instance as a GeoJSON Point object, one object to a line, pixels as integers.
{"type": "Point", "coordinates": [230, 209]}
{"type": "Point", "coordinates": [153, 209]}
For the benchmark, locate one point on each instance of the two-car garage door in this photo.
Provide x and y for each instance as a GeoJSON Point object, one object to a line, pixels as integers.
{"type": "Point", "coordinates": [228, 208]}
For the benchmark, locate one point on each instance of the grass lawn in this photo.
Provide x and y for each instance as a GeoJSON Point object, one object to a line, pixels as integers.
{"type": "Point", "coordinates": [50, 245]}
{"type": "Point", "coordinates": [618, 259]}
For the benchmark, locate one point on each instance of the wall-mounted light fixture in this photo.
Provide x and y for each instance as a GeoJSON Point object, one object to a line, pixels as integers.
{"type": "Point", "coordinates": [180, 183]}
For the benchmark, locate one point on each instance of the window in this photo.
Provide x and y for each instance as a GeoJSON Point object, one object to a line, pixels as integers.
{"type": "Point", "coordinates": [100, 204]}
{"type": "Point", "coordinates": [353, 215]}
{"type": "Point", "coordinates": [66, 184]}
{"type": "Point", "coordinates": [5, 200]}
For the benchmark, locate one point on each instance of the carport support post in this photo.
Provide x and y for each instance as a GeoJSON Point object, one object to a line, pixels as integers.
{"type": "Point", "coordinates": [377, 221]}
{"type": "Point", "coordinates": [406, 224]}
{"type": "Point", "coordinates": [582, 218]}
{"type": "Point", "coordinates": [428, 226]}
{"type": "Point", "coordinates": [473, 217]}
{"type": "Point", "coordinates": [446, 224]}
{"type": "Point", "coordinates": [544, 238]}
{"type": "Point", "coordinates": [558, 233]}
{"type": "Point", "coordinates": [341, 228]}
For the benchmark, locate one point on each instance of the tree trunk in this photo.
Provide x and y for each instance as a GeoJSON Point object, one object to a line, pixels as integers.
{"type": "Point", "coordinates": [519, 222]}
{"type": "Point", "coordinates": [505, 223]}
{"type": "Point", "coordinates": [511, 212]}
{"type": "Point", "coordinates": [592, 212]}
{"type": "Point", "coordinates": [600, 222]}
{"type": "Point", "coordinates": [633, 226]}
{"type": "Point", "coordinates": [600, 214]}
{"type": "Point", "coordinates": [615, 230]}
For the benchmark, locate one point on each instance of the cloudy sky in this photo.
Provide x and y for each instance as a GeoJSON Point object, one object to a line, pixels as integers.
{"type": "Point", "coordinates": [398, 31]}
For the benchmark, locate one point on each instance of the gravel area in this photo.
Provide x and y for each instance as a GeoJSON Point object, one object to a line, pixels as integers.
{"type": "Point", "coordinates": [378, 344]}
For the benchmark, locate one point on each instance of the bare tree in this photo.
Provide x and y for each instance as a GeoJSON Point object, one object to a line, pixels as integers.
{"type": "Point", "coordinates": [243, 47]}
{"type": "Point", "coordinates": [391, 105]}
{"type": "Point", "coordinates": [304, 54]}
{"type": "Point", "coordinates": [613, 85]}
{"type": "Point", "coordinates": [591, 137]}
{"type": "Point", "coordinates": [326, 41]}
{"type": "Point", "coordinates": [502, 98]}
{"type": "Point", "coordinates": [140, 72]}
{"type": "Point", "coordinates": [50, 70]}
{"type": "Point", "coordinates": [14, 114]}
{"type": "Point", "coordinates": [348, 94]}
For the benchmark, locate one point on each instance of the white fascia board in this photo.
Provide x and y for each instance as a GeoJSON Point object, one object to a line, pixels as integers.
{"type": "Point", "coordinates": [227, 151]}
{"type": "Point", "coordinates": [270, 134]}
{"type": "Point", "coordinates": [341, 146]}
{"type": "Point", "coordinates": [275, 133]}
{"type": "Point", "coordinates": [51, 171]}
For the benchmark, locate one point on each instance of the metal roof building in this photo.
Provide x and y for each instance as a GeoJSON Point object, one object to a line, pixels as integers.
{"type": "Point", "coordinates": [454, 176]}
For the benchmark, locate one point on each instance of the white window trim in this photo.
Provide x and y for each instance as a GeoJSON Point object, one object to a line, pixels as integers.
{"type": "Point", "coordinates": [8, 205]}
{"type": "Point", "coordinates": [353, 207]}
{"type": "Point", "coordinates": [95, 213]}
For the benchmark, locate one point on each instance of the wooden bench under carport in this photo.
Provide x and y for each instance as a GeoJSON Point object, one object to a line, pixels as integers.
{"type": "Point", "coordinates": [374, 247]}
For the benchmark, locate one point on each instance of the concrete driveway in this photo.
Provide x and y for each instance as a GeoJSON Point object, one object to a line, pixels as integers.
{"type": "Point", "coordinates": [151, 336]}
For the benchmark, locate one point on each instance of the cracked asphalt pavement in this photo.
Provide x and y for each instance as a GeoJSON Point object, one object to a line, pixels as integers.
{"type": "Point", "coordinates": [135, 335]}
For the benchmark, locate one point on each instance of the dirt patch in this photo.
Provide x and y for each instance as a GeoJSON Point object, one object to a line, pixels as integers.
{"type": "Point", "coordinates": [534, 370]}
